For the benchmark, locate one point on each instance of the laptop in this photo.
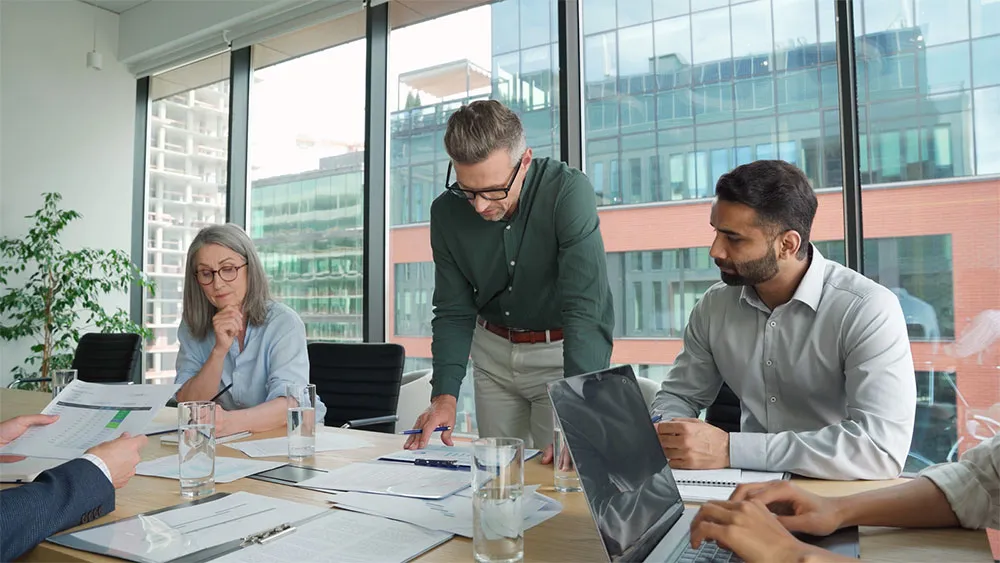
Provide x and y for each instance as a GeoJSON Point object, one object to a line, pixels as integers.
{"type": "Point", "coordinates": [625, 477]}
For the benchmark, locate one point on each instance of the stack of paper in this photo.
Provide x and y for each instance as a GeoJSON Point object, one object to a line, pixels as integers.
{"type": "Point", "coordinates": [227, 469]}
{"type": "Point", "coordinates": [452, 514]}
{"type": "Point", "coordinates": [274, 447]}
{"type": "Point", "coordinates": [172, 439]}
{"type": "Point", "coordinates": [461, 455]}
{"type": "Point", "coordinates": [702, 485]}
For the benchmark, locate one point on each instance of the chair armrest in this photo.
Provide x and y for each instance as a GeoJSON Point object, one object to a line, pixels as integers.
{"type": "Point", "coordinates": [362, 422]}
{"type": "Point", "coordinates": [16, 382]}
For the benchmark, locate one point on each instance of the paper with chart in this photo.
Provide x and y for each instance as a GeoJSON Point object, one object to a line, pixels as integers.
{"type": "Point", "coordinates": [91, 413]}
{"type": "Point", "coordinates": [461, 455]}
{"type": "Point", "coordinates": [325, 442]}
{"type": "Point", "coordinates": [399, 479]}
{"type": "Point", "coordinates": [227, 469]}
{"type": "Point", "coordinates": [344, 536]}
{"type": "Point", "coordinates": [451, 514]}
{"type": "Point", "coordinates": [174, 533]}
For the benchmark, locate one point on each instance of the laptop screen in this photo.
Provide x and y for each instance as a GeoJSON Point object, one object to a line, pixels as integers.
{"type": "Point", "coordinates": [624, 474]}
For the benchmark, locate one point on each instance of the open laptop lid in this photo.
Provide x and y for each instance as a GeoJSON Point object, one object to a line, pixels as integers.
{"type": "Point", "coordinates": [624, 474]}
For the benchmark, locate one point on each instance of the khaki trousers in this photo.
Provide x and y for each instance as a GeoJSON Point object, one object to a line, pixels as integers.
{"type": "Point", "coordinates": [510, 387]}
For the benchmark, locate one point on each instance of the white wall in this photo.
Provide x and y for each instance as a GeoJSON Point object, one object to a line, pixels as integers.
{"type": "Point", "coordinates": [65, 128]}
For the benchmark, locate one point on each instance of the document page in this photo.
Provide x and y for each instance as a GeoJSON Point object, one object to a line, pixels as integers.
{"type": "Point", "coordinates": [723, 477]}
{"type": "Point", "coordinates": [461, 455]}
{"type": "Point", "coordinates": [452, 514]}
{"type": "Point", "coordinates": [400, 479]}
{"type": "Point", "coordinates": [91, 413]}
{"type": "Point", "coordinates": [174, 533]}
{"type": "Point", "coordinates": [227, 469]}
{"type": "Point", "coordinates": [325, 442]}
{"type": "Point", "coordinates": [343, 536]}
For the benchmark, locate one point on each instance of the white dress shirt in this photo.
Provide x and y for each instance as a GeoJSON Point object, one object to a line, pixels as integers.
{"type": "Point", "coordinates": [100, 465]}
{"type": "Point", "coordinates": [825, 381]}
{"type": "Point", "coordinates": [972, 486]}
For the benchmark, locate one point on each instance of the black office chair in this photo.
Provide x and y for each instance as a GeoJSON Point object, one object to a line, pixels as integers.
{"type": "Point", "coordinates": [102, 358]}
{"type": "Point", "coordinates": [724, 412]}
{"type": "Point", "coordinates": [357, 381]}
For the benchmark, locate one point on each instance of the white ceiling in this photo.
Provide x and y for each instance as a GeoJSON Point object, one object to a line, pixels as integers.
{"type": "Point", "coordinates": [116, 6]}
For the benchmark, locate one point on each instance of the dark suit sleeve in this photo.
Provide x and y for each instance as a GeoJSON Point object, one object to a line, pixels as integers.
{"type": "Point", "coordinates": [71, 494]}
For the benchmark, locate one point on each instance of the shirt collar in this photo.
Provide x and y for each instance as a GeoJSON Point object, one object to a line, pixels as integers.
{"type": "Point", "coordinates": [810, 289]}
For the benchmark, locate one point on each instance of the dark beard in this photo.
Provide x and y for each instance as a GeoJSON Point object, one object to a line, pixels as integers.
{"type": "Point", "coordinates": [751, 272]}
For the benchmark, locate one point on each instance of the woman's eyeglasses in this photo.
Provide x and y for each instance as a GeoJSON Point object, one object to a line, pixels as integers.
{"type": "Point", "coordinates": [227, 273]}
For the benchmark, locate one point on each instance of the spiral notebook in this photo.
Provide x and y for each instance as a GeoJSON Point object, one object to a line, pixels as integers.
{"type": "Point", "coordinates": [724, 477]}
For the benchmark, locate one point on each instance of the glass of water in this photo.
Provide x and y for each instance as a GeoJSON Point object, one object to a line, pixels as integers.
{"type": "Point", "coordinates": [566, 478]}
{"type": "Point", "coordinates": [196, 448]}
{"type": "Point", "coordinates": [498, 504]}
{"type": "Point", "coordinates": [60, 379]}
{"type": "Point", "coordinates": [301, 420]}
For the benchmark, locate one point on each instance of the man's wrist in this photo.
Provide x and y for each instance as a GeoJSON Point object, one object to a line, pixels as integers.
{"type": "Point", "coordinates": [100, 465]}
{"type": "Point", "coordinates": [726, 462]}
{"type": "Point", "coordinates": [843, 512]}
{"type": "Point", "coordinates": [444, 399]}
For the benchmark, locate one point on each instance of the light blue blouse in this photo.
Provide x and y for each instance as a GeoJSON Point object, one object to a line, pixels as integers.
{"type": "Point", "coordinates": [274, 355]}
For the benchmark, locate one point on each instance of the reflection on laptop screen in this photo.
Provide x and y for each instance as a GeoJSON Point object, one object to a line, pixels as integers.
{"type": "Point", "coordinates": [624, 474]}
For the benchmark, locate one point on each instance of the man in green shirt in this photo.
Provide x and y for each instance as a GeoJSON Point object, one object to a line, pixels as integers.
{"type": "Point", "coordinates": [520, 279]}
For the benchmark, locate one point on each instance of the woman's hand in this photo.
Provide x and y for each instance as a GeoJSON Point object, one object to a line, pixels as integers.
{"type": "Point", "coordinates": [229, 422]}
{"type": "Point", "coordinates": [227, 324]}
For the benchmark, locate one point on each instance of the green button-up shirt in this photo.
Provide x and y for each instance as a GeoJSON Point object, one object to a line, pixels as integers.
{"type": "Point", "coordinates": [542, 269]}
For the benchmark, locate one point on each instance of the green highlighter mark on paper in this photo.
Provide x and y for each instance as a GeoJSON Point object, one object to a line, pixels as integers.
{"type": "Point", "coordinates": [117, 420]}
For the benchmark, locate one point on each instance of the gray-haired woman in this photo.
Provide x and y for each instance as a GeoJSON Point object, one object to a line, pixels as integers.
{"type": "Point", "coordinates": [232, 332]}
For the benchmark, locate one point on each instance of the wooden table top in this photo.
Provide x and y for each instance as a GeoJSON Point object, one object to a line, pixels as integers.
{"type": "Point", "coordinates": [570, 536]}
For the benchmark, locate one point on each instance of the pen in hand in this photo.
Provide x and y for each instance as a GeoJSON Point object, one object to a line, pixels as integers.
{"type": "Point", "coordinates": [420, 431]}
{"type": "Point", "coordinates": [219, 394]}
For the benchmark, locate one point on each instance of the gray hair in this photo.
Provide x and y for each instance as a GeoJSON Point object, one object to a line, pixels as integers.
{"type": "Point", "coordinates": [198, 310]}
{"type": "Point", "coordinates": [476, 130]}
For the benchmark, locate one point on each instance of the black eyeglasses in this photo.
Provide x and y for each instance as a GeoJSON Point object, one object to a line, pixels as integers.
{"type": "Point", "coordinates": [227, 273]}
{"type": "Point", "coordinates": [491, 195]}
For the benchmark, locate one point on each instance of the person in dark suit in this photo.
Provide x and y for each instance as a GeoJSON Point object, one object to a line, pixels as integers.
{"type": "Point", "coordinates": [74, 493]}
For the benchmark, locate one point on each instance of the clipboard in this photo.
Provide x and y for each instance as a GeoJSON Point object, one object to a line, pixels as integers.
{"type": "Point", "coordinates": [73, 541]}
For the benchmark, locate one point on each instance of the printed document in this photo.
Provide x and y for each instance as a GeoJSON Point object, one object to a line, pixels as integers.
{"type": "Point", "coordinates": [325, 442]}
{"type": "Point", "coordinates": [399, 479]}
{"type": "Point", "coordinates": [452, 514]}
{"type": "Point", "coordinates": [227, 469]}
{"type": "Point", "coordinates": [91, 413]}
{"type": "Point", "coordinates": [343, 536]}
{"type": "Point", "coordinates": [461, 455]}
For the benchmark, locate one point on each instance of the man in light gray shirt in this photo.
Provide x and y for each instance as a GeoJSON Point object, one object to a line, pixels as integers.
{"type": "Point", "coordinates": [817, 353]}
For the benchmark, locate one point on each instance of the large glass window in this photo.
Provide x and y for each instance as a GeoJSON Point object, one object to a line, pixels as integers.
{"type": "Point", "coordinates": [927, 115]}
{"type": "Point", "coordinates": [186, 190]}
{"type": "Point", "coordinates": [306, 170]}
{"type": "Point", "coordinates": [505, 51]}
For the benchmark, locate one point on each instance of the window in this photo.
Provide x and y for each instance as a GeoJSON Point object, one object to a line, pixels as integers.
{"type": "Point", "coordinates": [429, 79]}
{"type": "Point", "coordinates": [925, 240]}
{"type": "Point", "coordinates": [186, 190]}
{"type": "Point", "coordinates": [306, 173]}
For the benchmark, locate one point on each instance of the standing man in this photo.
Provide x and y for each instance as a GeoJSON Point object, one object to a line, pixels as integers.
{"type": "Point", "coordinates": [520, 278]}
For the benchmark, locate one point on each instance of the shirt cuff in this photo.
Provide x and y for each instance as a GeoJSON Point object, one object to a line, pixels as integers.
{"type": "Point", "coordinates": [968, 499]}
{"type": "Point", "coordinates": [748, 450]}
{"type": "Point", "coordinates": [100, 465]}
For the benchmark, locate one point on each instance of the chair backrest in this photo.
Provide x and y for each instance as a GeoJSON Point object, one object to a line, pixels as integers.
{"type": "Point", "coordinates": [725, 412]}
{"type": "Point", "coordinates": [649, 389]}
{"type": "Point", "coordinates": [107, 357]}
{"type": "Point", "coordinates": [357, 380]}
{"type": "Point", "coordinates": [414, 397]}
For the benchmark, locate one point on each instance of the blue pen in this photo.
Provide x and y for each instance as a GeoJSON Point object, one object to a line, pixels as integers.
{"type": "Point", "coordinates": [420, 431]}
{"type": "Point", "coordinates": [657, 418]}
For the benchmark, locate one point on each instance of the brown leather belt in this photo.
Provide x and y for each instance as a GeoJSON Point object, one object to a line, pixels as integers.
{"type": "Point", "coordinates": [522, 336]}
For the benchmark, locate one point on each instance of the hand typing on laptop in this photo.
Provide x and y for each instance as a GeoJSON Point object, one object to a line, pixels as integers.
{"type": "Point", "coordinates": [691, 443]}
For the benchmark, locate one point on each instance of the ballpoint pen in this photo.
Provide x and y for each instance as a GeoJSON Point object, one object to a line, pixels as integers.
{"type": "Point", "coordinates": [420, 430]}
{"type": "Point", "coordinates": [219, 394]}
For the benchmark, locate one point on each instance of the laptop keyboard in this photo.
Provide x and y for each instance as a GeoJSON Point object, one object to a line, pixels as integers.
{"type": "Point", "coordinates": [708, 552]}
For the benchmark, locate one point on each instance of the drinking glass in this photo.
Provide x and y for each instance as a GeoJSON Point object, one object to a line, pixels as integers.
{"type": "Point", "coordinates": [498, 505]}
{"type": "Point", "coordinates": [566, 478]}
{"type": "Point", "coordinates": [196, 448]}
{"type": "Point", "coordinates": [301, 420]}
{"type": "Point", "coordinates": [60, 379]}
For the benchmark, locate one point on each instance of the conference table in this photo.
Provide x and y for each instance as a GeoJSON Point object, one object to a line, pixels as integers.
{"type": "Point", "coordinates": [570, 536]}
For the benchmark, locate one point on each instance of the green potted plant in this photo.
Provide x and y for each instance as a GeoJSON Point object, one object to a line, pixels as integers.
{"type": "Point", "coordinates": [51, 294]}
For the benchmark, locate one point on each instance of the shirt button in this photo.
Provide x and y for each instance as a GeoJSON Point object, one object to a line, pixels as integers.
{"type": "Point", "coordinates": [769, 362]}
{"type": "Point", "coordinates": [507, 313]}
{"type": "Point", "coordinates": [508, 227]}
{"type": "Point", "coordinates": [511, 262]}
{"type": "Point", "coordinates": [774, 399]}
{"type": "Point", "coordinates": [774, 323]}
{"type": "Point", "coordinates": [510, 288]}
